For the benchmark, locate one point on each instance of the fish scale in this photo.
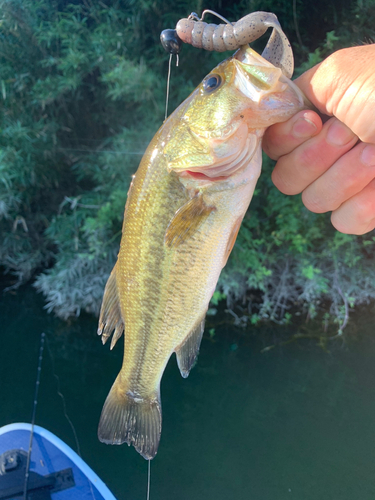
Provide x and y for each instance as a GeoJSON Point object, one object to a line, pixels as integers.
{"type": "Point", "coordinates": [151, 265]}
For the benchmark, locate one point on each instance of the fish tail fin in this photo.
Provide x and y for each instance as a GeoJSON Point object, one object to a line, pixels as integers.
{"type": "Point", "coordinates": [129, 418]}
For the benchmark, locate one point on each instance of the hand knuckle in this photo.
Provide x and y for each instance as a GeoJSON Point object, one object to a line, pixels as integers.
{"type": "Point", "coordinates": [314, 203]}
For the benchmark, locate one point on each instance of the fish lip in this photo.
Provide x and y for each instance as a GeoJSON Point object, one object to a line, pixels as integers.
{"type": "Point", "coordinates": [200, 176]}
{"type": "Point", "coordinates": [284, 91]}
{"type": "Point", "coordinates": [278, 83]}
{"type": "Point", "coordinates": [297, 92]}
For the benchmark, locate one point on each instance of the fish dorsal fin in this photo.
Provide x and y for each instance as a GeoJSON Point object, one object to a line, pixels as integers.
{"type": "Point", "coordinates": [187, 220]}
{"type": "Point", "coordinates": [110, 313]}
{"type": "Point", "coordinates": [187, 353]}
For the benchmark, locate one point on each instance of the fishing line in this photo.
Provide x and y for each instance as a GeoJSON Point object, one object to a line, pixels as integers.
{"type": "Point", "coordinates": [172, 44]}
{"type": "Point", "coordinates": [99, 151]}
{"type": "Point", "coordinates": [42, 337]}
{"type": "Point", "coordinates": [148, 479]}
{"type": "Point", "coordinates": [64, 409]}
{"type": "Point", "coordinates": [195, 16]}
{"type": "Point", "coordinates": [63, 399]}
{"type": "Point", "coordinates": [168, 80]}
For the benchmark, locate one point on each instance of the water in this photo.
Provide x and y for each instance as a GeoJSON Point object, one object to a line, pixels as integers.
{"type": "Point", "coordinates": [292, 423]}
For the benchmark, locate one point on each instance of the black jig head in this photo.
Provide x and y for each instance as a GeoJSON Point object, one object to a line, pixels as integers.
{"type": "Point", "coordinates": [171, 42]}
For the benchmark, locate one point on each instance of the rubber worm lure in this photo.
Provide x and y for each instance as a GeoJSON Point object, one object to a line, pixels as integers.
{"type": "Point", "coordinates": [221, 37]}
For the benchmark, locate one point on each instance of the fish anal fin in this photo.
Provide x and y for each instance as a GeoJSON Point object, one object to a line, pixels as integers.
{"type": "Point", "coordinates": [232, 239]}
{"type": "Point", "coordinates": [129, 418]}
{"type": "Point", "coordinates": [187, 221]}
{"type": "Point", "coordinates": [188, 351]}
{"type": "Point", "coordinates": [110, 318]}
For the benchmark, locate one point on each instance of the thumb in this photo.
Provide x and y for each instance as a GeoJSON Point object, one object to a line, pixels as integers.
{"type": "Point", "coordinates": [343, 86]}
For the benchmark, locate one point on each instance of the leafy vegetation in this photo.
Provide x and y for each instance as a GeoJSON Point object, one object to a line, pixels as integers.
{"type": "Point", "coordinates": [82, 87]}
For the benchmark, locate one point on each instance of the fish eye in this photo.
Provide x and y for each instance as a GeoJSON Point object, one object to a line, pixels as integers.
{"type": "Point", "coordinates": [211, 83]}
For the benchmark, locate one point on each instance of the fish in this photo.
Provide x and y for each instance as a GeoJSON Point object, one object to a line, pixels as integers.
{"type": "Point", "coordinates": [183, 212]}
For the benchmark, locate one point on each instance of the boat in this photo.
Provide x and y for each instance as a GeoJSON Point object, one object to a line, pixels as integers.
{"type": "Point", "coordinates": [53, 471]}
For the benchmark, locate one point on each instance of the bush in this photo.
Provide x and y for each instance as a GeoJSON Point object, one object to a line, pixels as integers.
{"type": "Point", "coordinates": [83, 88]}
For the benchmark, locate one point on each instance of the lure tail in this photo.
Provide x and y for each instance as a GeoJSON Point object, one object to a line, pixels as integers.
{"type": "Point", "coordinates": [129, 418]}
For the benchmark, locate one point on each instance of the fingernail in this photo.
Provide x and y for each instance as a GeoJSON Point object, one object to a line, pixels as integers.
{"type": "Point", "coordinates": [303, 128]}
{"type": "Point", "coordinates": [368, 156]}
{"type": "Point", "coordinates": [339, 134]}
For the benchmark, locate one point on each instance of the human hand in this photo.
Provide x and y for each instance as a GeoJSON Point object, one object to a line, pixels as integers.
{"type": "Point", "coordinates": [332, 164]}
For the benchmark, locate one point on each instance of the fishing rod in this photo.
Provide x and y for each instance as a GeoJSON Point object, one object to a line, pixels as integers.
{"type": "Point", "coordinates": [42, 339]}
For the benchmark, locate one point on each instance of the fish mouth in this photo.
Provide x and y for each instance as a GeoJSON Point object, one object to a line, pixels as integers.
{"type": "Point", "coordinates": [267, 87]}
{"type": "Point", "coordinates": [199, 176]}
{"type": "Point", "coordinates": [228, 156]}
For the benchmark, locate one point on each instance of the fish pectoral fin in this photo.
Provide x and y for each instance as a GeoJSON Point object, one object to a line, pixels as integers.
{"type": "Point", "coordinates": [129, 418]}
{"type": "Point", "coordinates": [187, 220]}
{"type": "Point", "coordinates": [232, 239]}
{"type": "Point", "coordinates": [110, 313]}
{"type": "Point", "coordinates": [188, 351]}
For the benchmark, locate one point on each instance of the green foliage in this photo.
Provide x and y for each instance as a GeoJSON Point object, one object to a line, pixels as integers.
{"type": "Point", "coordinates": [297, 260]}
{"type": "Point", "coordinates": [82, 88]}
{"type": "Point", "coordinates": [82, 97]}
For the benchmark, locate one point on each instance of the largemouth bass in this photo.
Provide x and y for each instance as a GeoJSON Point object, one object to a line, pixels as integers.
{"type": "Point", "coordinates": [184, 210]}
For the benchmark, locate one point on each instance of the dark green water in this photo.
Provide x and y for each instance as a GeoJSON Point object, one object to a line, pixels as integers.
{"type": "Point", "coordinates": [293, 423]}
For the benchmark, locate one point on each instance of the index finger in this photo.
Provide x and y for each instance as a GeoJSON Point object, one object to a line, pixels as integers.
{"type": "Point", "coordinates": [343, 86]}
{"type": "Point", "coordinates": [282, 138]}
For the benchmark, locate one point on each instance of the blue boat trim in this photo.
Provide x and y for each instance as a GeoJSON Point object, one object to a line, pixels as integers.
{"type": "Point", "coordinates": [67, 451]}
